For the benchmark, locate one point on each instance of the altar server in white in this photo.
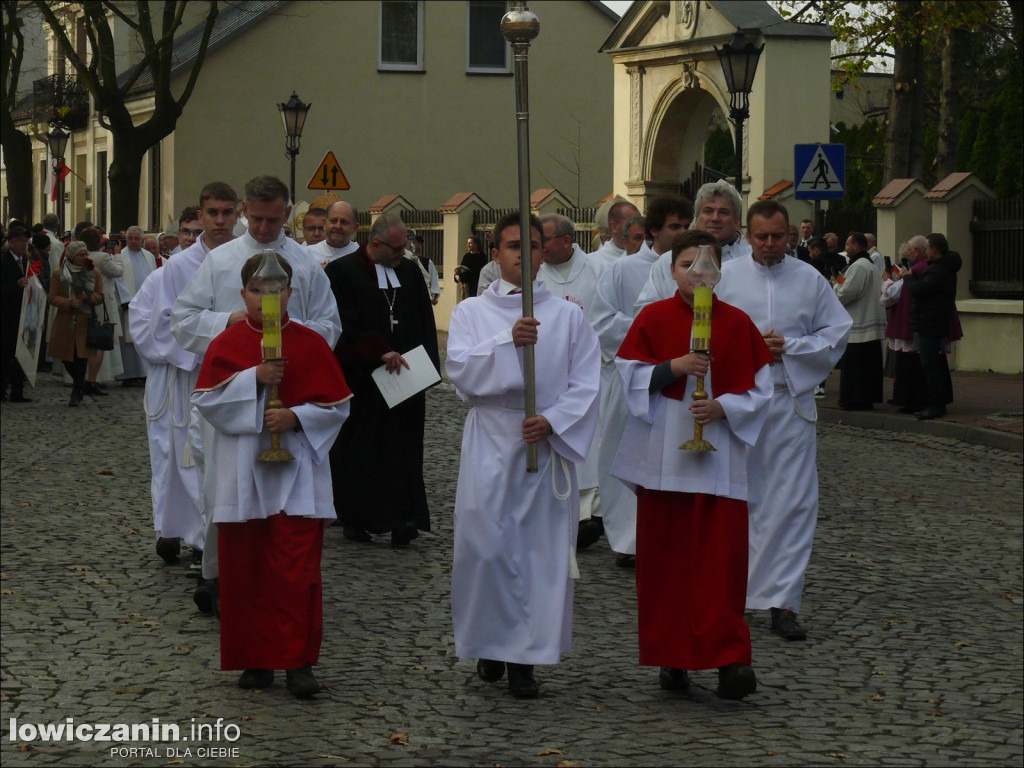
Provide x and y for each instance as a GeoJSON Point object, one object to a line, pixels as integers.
{"type": "Point", "coordinates": [617, 291]}
{"type": "Point", "coordinates": [615, 246]}
{"type": "Point", "coordinates": [137, 264]}
{"type": "Point", "coordinates": [806, 329]}
{"type": "Point", "coordinates": [514, 562]}
{"type": "Point", "coordinates": [177, 505]}
{"type": "Point", "coordinates": [569, 273]}
{"type": "Point", "coordinates": [717, 208]}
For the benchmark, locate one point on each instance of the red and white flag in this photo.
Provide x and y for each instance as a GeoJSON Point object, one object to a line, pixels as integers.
{"type": "Point", "coordinates": [57, 175]}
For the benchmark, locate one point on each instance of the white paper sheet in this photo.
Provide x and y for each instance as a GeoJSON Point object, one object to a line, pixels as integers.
{"type": "Point", "coordinates": [397, 388]}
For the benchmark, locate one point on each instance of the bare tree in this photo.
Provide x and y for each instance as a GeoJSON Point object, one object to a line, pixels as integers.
{"type": "Point", "coordinates": [16, 144]}
{"type": "Point", "coordinates": [111, 96]}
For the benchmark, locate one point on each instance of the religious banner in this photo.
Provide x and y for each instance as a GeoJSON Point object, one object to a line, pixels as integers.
{"type": "Point", "coordinates": [30, 329]}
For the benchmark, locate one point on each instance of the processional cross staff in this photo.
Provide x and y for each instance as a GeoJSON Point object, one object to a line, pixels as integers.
{"type": "Point", "coordinates": [520, 26]}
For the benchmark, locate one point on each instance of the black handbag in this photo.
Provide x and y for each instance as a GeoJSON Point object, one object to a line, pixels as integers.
{"type": "Point", "coordinates": [100, 335]}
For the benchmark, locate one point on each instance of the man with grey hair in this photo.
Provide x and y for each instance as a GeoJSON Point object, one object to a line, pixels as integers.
{"type": "Point", "coordinates": [569, 273]}
{"type": "Point", "coordinates": [50, 226]}
{"type": "Point", "coordinates": [716, 211]}
{"type": "Point", "coordinates": [342, 225]}
{"type": "Point", "coordinates": [615, 246]}
{"type": "Point", "coordinates": [634, 234]}
{"type": "Point", "coordinates": [377, 460]}
{"type": "Point", "coordinates": [877, 259]}
{"type": "Point", "coordinates": [138, 262]}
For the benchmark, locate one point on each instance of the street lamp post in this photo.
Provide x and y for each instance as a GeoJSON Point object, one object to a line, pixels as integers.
{"type": "Point", "coordinates": [293, 115]}
{"type": "Point", "coordinates": [739, 64]}
{"type": "Point", "coordinates": [57, 139]}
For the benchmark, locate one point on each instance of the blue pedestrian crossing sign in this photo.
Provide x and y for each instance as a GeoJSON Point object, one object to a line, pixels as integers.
{"type": "Point", "coordinates": [819, 171]}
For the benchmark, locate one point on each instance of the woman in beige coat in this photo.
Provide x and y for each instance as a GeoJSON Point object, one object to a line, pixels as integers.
{"type": "Point", "coordinates": [104, 366]}
{"type": "Point", "coordinates": [75, 289]}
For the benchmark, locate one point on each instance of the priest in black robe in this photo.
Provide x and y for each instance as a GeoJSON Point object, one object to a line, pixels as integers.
{"type": "Point", "coordinates": [377, 460]}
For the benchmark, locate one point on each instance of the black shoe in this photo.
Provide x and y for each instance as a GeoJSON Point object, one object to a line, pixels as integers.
{"type": "Point", "coordinates": [589, 533]}
{"type": "Point", "coordinates": [20, 398]}
{"type": "Point", "coordinates": [490, 671]}
{"type": "Point", "coordinates": [206, 594]}
{"type": "Point", "coordinates": [196, 564]}
{"type": "Point", "coordinates": [907, 409]}
{"type": "Point", "coordinates": [520, 681]}
{"type": "Point", "coordinates": [928, 414]}
{"type": "Point", "coordinates": [403, 534]}
{"type": "Point", "coordinates": [301, 683]}
{"type": "Point", "coordinates": [673, 679]}
{"type": "Point", "coordinates": [625, 561]}
{"type": "Point", "coordinates": [784, 624]}
{"type": "Point", "coordinates": [256, 678]}
{"type": "Point", "coordinates": [353, 533]}
{"type": "Point", "coordinates": [93, 389]}
{"type": "Point", "coordinates": [76, 398]}
{"type": "Point", "coordinates": [168, 549]}
{"type": "Point", "coordinates": [736, 681]}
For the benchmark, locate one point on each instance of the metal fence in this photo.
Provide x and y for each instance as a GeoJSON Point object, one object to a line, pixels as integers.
{"type": "Point", "coordinates": [582, 219]}
{"type": "Point", "coordinates": [997, 239]}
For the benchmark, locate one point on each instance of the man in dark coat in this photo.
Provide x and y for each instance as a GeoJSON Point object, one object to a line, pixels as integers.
{"type": "Point", "coordinates": [13, 278]}
{"type": "Point", "coordinates": [932, 304]}
{"type": "Point", "coordinates": [377, 460]}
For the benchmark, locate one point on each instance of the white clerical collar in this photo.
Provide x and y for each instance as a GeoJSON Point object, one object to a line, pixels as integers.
{"type": "Point", "coordinates": [386, 275]}
{"type": "Point", "coordinates": [505, 287]}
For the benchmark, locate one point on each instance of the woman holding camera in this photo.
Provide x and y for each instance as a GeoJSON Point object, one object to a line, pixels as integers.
{"type": "Point", "coordinates": [75, 289]}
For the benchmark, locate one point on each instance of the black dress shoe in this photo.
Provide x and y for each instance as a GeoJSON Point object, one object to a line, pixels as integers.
{"type": "Point", "coordinates": [168, 549]}
{"type": "Point", "coordinates": [206, 594]}
{"type": "Point", "coordinates": [520, 681]}
{"type": "Point", "coordinates": [92, 388]}
{"type": "Point", "coordinates": [589, 533]}
{"type": "Point", "coordinates": [490, 671]}
{"type": "Point", "coordinates": [784, 624]}
{"type": "Point", "coordinates": [671, 679]}
{"type": "Point", "coordinates": [76, 398]}
{"type": "Point", "coordinates": [736, 681]}
{"type": "Point", "coordinates": [403, 534]}
{"type": "Point", "coordinates": [256, 678]}
{"type": "Point", "coordinates": [20, 398]}
{"type": "Point", "coordinates": [625, 561]}
{"type": "Point", "coordinates": [301, 682]}
{"type": "Point", "coordinates": [355, 533]}
{"type": "Point", "coordinates": [930, 413]}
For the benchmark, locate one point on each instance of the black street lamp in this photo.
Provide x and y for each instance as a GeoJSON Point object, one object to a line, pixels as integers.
{"type": "Point", "coordinates": [739, 64]}
{"type": "Point", "coordinates": [293, 115]}
{"type": "Point", "coordinates": [57, 139]}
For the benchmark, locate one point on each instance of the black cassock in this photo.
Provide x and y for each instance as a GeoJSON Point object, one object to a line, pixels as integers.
{"type": "Point", "coordinates": [377, 460]}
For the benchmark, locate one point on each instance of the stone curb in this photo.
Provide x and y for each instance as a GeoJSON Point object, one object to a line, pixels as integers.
{"type": "Point", "coordinates": [991, 438]}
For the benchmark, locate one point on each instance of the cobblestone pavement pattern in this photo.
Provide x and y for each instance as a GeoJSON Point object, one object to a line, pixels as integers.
{"type": "Point", "coordinates": [913, 605]}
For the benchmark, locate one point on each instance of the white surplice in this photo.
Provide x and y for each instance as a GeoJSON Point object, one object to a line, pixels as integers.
{"type": "Point", "coordinates": [579, 285]}
{"type": "Point", "coordinates": [794, 300]}
{"type": "Point", "coordinates": [203, 308]}
{"type": "Point", "coordinates": [607, 254]}
{"type": "Point", "coordinates": [512, 588]}
{"type": "Point", "coordinates": [617, 291]}
{"type": "Point", "coordinates": [660, 284]}
{"type": "Point", "coordinates": [325, 253]}
{"type": "Point", "coordinates": [248, 489]}
{"type": "Point", "coordinates": [177, 503]}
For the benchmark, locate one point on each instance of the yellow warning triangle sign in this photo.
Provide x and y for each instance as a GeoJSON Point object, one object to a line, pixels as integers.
{"type": "Point", "coordinates": [329, 175]}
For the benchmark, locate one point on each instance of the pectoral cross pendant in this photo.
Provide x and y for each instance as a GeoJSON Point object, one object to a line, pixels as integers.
{"type": "Point", "coordinates": [391, 319]}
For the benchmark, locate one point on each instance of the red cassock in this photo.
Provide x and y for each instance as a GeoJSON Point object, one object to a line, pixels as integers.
{"type": "Point", "coordinates": [691, 548]}
{"type": "Point", "coordinates": [271, 610]}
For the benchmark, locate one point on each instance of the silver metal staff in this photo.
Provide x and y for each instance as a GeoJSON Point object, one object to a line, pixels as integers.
{"type": "Point", "coordinates": [520, 26]}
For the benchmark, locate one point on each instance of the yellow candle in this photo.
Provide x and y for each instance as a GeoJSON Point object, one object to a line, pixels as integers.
{"type": "Point", "coordinates": [272, 325]}
{"type": "Point", "coordinates": [702, 315]}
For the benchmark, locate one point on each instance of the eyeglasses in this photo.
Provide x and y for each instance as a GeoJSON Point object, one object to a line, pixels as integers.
{"type": "Point", "coordinates": [190, 232]}
{"type": "Point", "coordinates": [394, 248]}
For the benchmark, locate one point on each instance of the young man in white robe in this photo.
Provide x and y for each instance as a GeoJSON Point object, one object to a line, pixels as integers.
{"type": "Point", "coordinates": [271, 514]}
{"type": "Point", "coordinates": [514, 561]}
{"type": "Point", "coordinates": [806, 329]}
{"type": "Point", "coordinates": [177, 504]}
{"type": "Point", "coordinates": [617, 291]}
{"type": "Point", "coordinates": [569, 273]}
{"type": "Point", "coordinates": [212, 301]}
{"type": "Point", "coordinates": [717, 208]}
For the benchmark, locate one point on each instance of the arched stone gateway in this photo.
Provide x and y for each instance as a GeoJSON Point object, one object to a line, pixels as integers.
{"type": "Point", "coordinates": [668, 83]}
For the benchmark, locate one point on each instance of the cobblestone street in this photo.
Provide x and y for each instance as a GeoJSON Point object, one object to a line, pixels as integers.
{"type": "Point", "coordinates": [913, 607]}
